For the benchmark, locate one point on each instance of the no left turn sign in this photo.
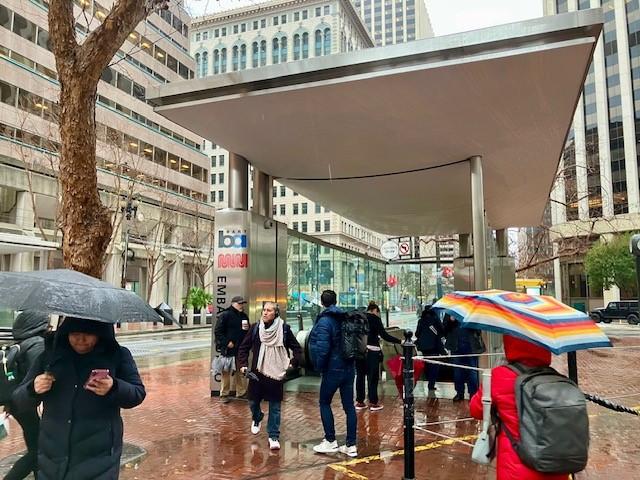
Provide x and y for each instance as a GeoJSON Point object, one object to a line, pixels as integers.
{"type": "Point", "coordinates": [405, 248]}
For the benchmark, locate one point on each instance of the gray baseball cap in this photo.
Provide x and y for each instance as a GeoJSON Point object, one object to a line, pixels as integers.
{"type": "Point", "coordinates": [238, 299]}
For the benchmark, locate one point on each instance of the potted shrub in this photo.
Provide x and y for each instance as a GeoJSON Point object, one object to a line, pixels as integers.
{"type": "Point", "coordinates": [197, 299]}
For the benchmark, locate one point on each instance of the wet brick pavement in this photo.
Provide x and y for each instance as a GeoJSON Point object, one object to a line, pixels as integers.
{"type": "Point", "coordinates": [189, 435]}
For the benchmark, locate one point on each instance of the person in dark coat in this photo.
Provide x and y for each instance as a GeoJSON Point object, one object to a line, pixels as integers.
{"type": "Point", "coordinates": [325, 348]}
{"type": "Point", "coordinates": [81, 428]}
{"type": "Point", "coordinates": [463, 341]}
{"type": "Point", "coordinates": [368, 369]}
{"type": "Point", "coordinates": [29, 330]}
{"type": "Point", "coordinates": [430, 342]}
{"type": "Point", "coordinates": [231, 328]}
{"type": "Point", "coordinates": [269, 341]}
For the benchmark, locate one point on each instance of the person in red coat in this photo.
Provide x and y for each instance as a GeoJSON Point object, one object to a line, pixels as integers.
{"type": "Point", "coordinates": [503, 379]}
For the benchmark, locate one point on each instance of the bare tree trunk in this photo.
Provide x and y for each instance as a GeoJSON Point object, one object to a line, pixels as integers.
{"type": "Point", "coordinates": [86, 223]}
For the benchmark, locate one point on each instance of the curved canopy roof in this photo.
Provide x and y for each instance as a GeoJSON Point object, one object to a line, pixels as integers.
{"type": "Point", "coordinates": [382, 136]}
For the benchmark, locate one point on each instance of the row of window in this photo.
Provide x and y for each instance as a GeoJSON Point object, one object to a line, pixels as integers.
{"type": "Point", "coordinates": [36, 105]}
{"type": "Point", "coordinates": [52, 147]}
{"type": "Point", "coordinates": [35, 34]}
{"type": "Point", "coordinates": [262, 23]}
{"type": "Point", "coordinates": [301, 208]}
{"type": "Point", "coordinates": [217, 163]}
{"type": "Point", "coordinates": [217, 196]}
{"type": "Point", "coordinates": [217, 178]}
{"type": "Point", "coordinates": [283, 192]}
{"type": "Point", "coordinates": [112, 77]}
{"type": "Point", "coordinates": [279, 52]}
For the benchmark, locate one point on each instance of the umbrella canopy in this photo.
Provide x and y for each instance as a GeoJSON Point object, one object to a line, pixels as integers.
{"type": "Point", "coordinates": [72, 294]}
{"type": "Point", "coordinates": [541, 319]}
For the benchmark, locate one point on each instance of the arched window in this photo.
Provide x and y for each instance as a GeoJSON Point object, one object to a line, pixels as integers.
{"type": "Point", "coordinates": [243, 56]}
{"type": "Point", "coordinates": [216, 61]}
{"type": "Point", "coordinates": [318, 43]}
{"type": "Point", "coordinates": [263, 53]}
{"type": "Point", "coordinates": [254, 55]}
{"type": "Point", "coordinates": [327, 41]}
{"type": "Point", "coordinates": [223, 60]}
{"type": "Point", "coordinates": [234, 58]}
{"type": "Point", "coordinates": [198, 64]}
{"type": "Point", "coordinates": [296, 47]}
{"type": "Point", "coordinates": [283, 49]}
{"type": "Point", "coordinates": [305, 45]}
{"type": "Point", "coordinates": [205, 64]}
{"type": "Point", "coordinates": [276, 50]}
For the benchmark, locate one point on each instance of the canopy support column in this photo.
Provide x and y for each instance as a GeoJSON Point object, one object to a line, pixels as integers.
{"type": "Point", "coordinates": [238, 182]}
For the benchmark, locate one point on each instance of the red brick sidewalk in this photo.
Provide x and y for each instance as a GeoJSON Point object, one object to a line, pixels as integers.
{"type": "Point", "coordinates": [189, 435]}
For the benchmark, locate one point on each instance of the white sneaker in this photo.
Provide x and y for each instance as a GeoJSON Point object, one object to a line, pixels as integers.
{"type": "Point", "coordinates": [255, 427]}
{"type": "Point", "coordinates": [274, 444]}
{"type": "Point", "coordinates": [351, 451]}
{"type": "Point", "coordinates": [326, 447]}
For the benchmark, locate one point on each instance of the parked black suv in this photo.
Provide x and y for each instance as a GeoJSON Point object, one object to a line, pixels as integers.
{"type": "Point", "coordinates": [623, 310]}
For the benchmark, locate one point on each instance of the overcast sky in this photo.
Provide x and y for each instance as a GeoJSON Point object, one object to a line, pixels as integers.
{"type": "Point", "coordinates": [447, 16]}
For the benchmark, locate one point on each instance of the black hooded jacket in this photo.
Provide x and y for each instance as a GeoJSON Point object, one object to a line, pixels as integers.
{"type": "Point", "coordinates": [81, 432]}
{"type": "Point", "coordinates": [28, 331]}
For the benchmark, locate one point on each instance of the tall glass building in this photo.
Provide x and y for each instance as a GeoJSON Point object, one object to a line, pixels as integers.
{"type": "Point", "coordinates": [394, 21]}
{"type": "Point", "coordinates": [596, 191]}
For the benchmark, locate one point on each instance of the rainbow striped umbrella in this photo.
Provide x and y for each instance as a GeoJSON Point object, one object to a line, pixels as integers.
{"type": "Point", "coordinates": [539, 319]}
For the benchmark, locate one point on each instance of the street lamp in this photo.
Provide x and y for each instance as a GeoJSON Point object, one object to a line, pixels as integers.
{"type": "Point", "coordinates": [129, 211]}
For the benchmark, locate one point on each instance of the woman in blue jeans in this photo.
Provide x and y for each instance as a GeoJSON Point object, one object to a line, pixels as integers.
{"type": "Point", "coordinates": [270, 341]}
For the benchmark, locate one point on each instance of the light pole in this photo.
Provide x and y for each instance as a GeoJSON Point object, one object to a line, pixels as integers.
{"type": "Point", "coordinates": [129, 211]}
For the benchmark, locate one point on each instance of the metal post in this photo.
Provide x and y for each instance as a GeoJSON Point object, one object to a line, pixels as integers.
{"type": "Point", "coordinates": [238, 182]}
{"type": "Point", "coordinates": [502, 243]}
{"type": "Point", "coordinates": [572, 366]}
{"type": "Point", "coordinates": [464, 245]}
{"type": "Point", "coordinates": [123, 280]}
{"type": "Point", "coordinates": [438, 271]}
{"type": "Point", "coordinates": [262, 193]}
{"type": "Point", "coordinates": [479, 228]}
{"type": "Point", "coordinates": [409, 415]}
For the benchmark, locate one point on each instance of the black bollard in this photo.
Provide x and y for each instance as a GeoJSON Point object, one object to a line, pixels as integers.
{"type": "Point", "coordinates": [572, 366]}
{"type": "Point", "coordinates": [409, 414]}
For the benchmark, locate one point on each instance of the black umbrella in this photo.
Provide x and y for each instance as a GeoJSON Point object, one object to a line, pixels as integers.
{"type": "Point", "coordinates": [72, 294]}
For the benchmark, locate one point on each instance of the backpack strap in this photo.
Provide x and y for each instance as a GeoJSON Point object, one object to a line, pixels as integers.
{"type": "Point", "coordinates": [518, 367]}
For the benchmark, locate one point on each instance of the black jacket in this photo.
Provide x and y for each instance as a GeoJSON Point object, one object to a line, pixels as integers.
{"type": "Point", "coordinates": [28, 331]}
{"type": "Point", "coordinates": [462, 341]}
{"type": "Point", "coordinates": [430, 333]}
{"type": "Point", "coordinates": [229, 328]}
{"type": "Point", "coordinates": [81, 432]}
{"type": "Point", "coordinates": [266, 388]}
{"type": "Point", "coordinates": [377, 330]}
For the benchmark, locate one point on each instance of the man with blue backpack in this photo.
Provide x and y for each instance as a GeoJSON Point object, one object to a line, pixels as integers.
{"type": "Point", "coordinates": [335, 342]}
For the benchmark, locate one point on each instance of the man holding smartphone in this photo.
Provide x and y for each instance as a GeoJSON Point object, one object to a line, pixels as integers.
{"type": "Point", "coordinates": [231, 328]}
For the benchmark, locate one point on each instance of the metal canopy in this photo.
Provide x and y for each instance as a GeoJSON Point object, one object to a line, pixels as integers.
{"type": "Point", "coordinates": [382, 136]}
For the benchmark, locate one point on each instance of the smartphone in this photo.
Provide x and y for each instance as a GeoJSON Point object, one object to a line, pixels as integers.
{"type": "Point", "coordinates": [97, 374]}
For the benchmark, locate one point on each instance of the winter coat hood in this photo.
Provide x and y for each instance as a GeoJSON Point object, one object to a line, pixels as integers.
{"type": "Point", "coordinates": [522, 351]}
{"type": "Point", "coordinates": [30, 324]}
{"type": "Point", "coordinates": [104, 331]}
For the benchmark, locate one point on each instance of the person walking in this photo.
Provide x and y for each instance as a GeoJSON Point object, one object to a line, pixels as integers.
{"type": "Point", "coordinates": [368, 369]}
{"type": "Point", "coordinates": [337, 374]}
{"type": "Point", "coordinates": [82, 382]}
{"type": "Point", "coordinates": [269, 341]}
{"type": "Point", "coordinates": [463, 341]}
{"type": "Point", "coordinates": [29, 330]}
{"type": "Point", "coordinates": [232, 327]}
{"type": "Point", "coordinates": [430, 342]}
{"type": "Point", "coordinates": [503, 398]}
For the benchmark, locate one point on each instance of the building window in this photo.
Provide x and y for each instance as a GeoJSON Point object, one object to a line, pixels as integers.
{"type": "Point", "coordinates": [318, 43]}
{"type": "Point", "coordinates": [283, 19]}
{"type": "Point", "coordinates": [263, 23]}
{"type": "Point", "coordinates": [283, 190]}
{"type": "Point", "coordinates": [295, 208]}
{"type": "Point", "coordinates": [223, 60]}
{"type": "Point", "coordinates": [235, 29]}
{"type": "Point", "coordinates": [273, 209]}
{"type": "Point", "coordinates": [327, 225]}
{"type": "Point", "coordinates": [283, 209]}
{"type": "Point", "coordinates": [235, 58]}
{"type": "Point", "coordinates": [295, 226]}
{"type": "Point", "coordinates": [243, 56]}
{"type": "Point", "coordinates": [213, 161]}
{"type": "Point", "coordinates": [198, 64]}
{"type": "Point", "coordinates": [216, 33]}
{"type": "Point", "coordinates": [263, 53]}
{"type": "Point", "coordinates": [304, 208]}
{"type": "Point", "coordinates": [305, 45]}
{"type": "Point", "coordinates": [221, 160]}
{"type": "Point", "coordinates": [296, 16]}
{"type": "Point", "coordinates": [318, 11]}
{"type": "Point", "coordinates": [318, 208]}
{"type": "Point", "coordinates": [305, 14]}
{"type": "Point", "coordinates": [304, 227]}
{"type": "Point", "coordinates": [205, 36]}
{"type": "Point", "coordinates": [296, 46]}
{"type": "Point", "coordinates": [327, 9]}
{"type": "Point", "coordinates": [205, 64]}
{"type": "Point", "coordinates": [295, 194]}
{"type": "Point", "coordinates": [317, 225]}
{"type": "Point", "coordinates": [223, 31]}
{"type": "Point", "coordinates": [254, 55]}
{"type": "Point", "coordinates": [255, 24]}
{"type": "Point", "coordinates": [274, 192]}
{"type": "Point", "coordinates": [276, 20]}
{"type": "Point", "coordinates": [213, 179]}
{"type": "Point", "coordinates": [221, 196]}
{"type": "Point", "coordinates": [216, 61]}
{"type": "Point", "coordinates": [327, 41]}
{"type": "Point", "coordinates": [213, 196]}
{"type": "Point", "coordinates": [221, 178]}
{"type": "Point", "coordinates": [275, 50]}
{"type": "Point", "coordinates": [243, 27]}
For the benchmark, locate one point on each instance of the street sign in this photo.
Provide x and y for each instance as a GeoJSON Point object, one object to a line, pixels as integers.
{"type": "Point", "coordinates": [404, 248]}
{"type": "Point", "coordinates": [389, 250]}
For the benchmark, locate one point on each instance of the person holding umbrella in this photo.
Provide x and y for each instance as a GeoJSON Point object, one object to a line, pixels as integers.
{"type": "Point", "coordinates": [82, 380]}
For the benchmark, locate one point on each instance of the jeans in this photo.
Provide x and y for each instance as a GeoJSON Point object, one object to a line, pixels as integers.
{"type": "Point", "coordinates": [30, 423]}
{"type": "Point", "coordinates": [273, 422]}
{"type": "Point", "coordinates": [332, 381]}
{"type": "Point", "coordinates": [368, 369]}
{"type": "Point", "coordinates": [462, 376]}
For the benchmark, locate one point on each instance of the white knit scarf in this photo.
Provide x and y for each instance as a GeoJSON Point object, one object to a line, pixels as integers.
{"type": "Point", "coordinates": [273, 358]}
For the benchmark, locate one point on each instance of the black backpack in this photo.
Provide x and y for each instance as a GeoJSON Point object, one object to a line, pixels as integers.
{"type": "Point", "coordinates": [354, 330]}
{"type": "Point", "coordinates": [553, 420]}
{"type": "Point", "coordinates": [9, 376]}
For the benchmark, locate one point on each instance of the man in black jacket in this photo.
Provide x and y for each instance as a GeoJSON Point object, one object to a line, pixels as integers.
{"type": "Point", "coordinates": [232, 326]}
{"type": "Point", "coordinates": [430, 342]}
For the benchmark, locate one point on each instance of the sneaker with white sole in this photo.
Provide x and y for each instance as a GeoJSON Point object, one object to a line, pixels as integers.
{"type": "Point", "coordinates": [374, 407]}
{"type": "Point", "coordinates": [255, 427]}
{"type": "Point", "coordinates": [351, 451]}
{"type": "Point", "coordinates": [274, 444]}
{"type": "Point", "coordinates": [326, 447]}
{"type": "Point", "coordinates": [361, 405]}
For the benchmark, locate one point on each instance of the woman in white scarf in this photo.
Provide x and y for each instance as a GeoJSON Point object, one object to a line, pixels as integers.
{"type": "Point", "coordinates": [274, 349]}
